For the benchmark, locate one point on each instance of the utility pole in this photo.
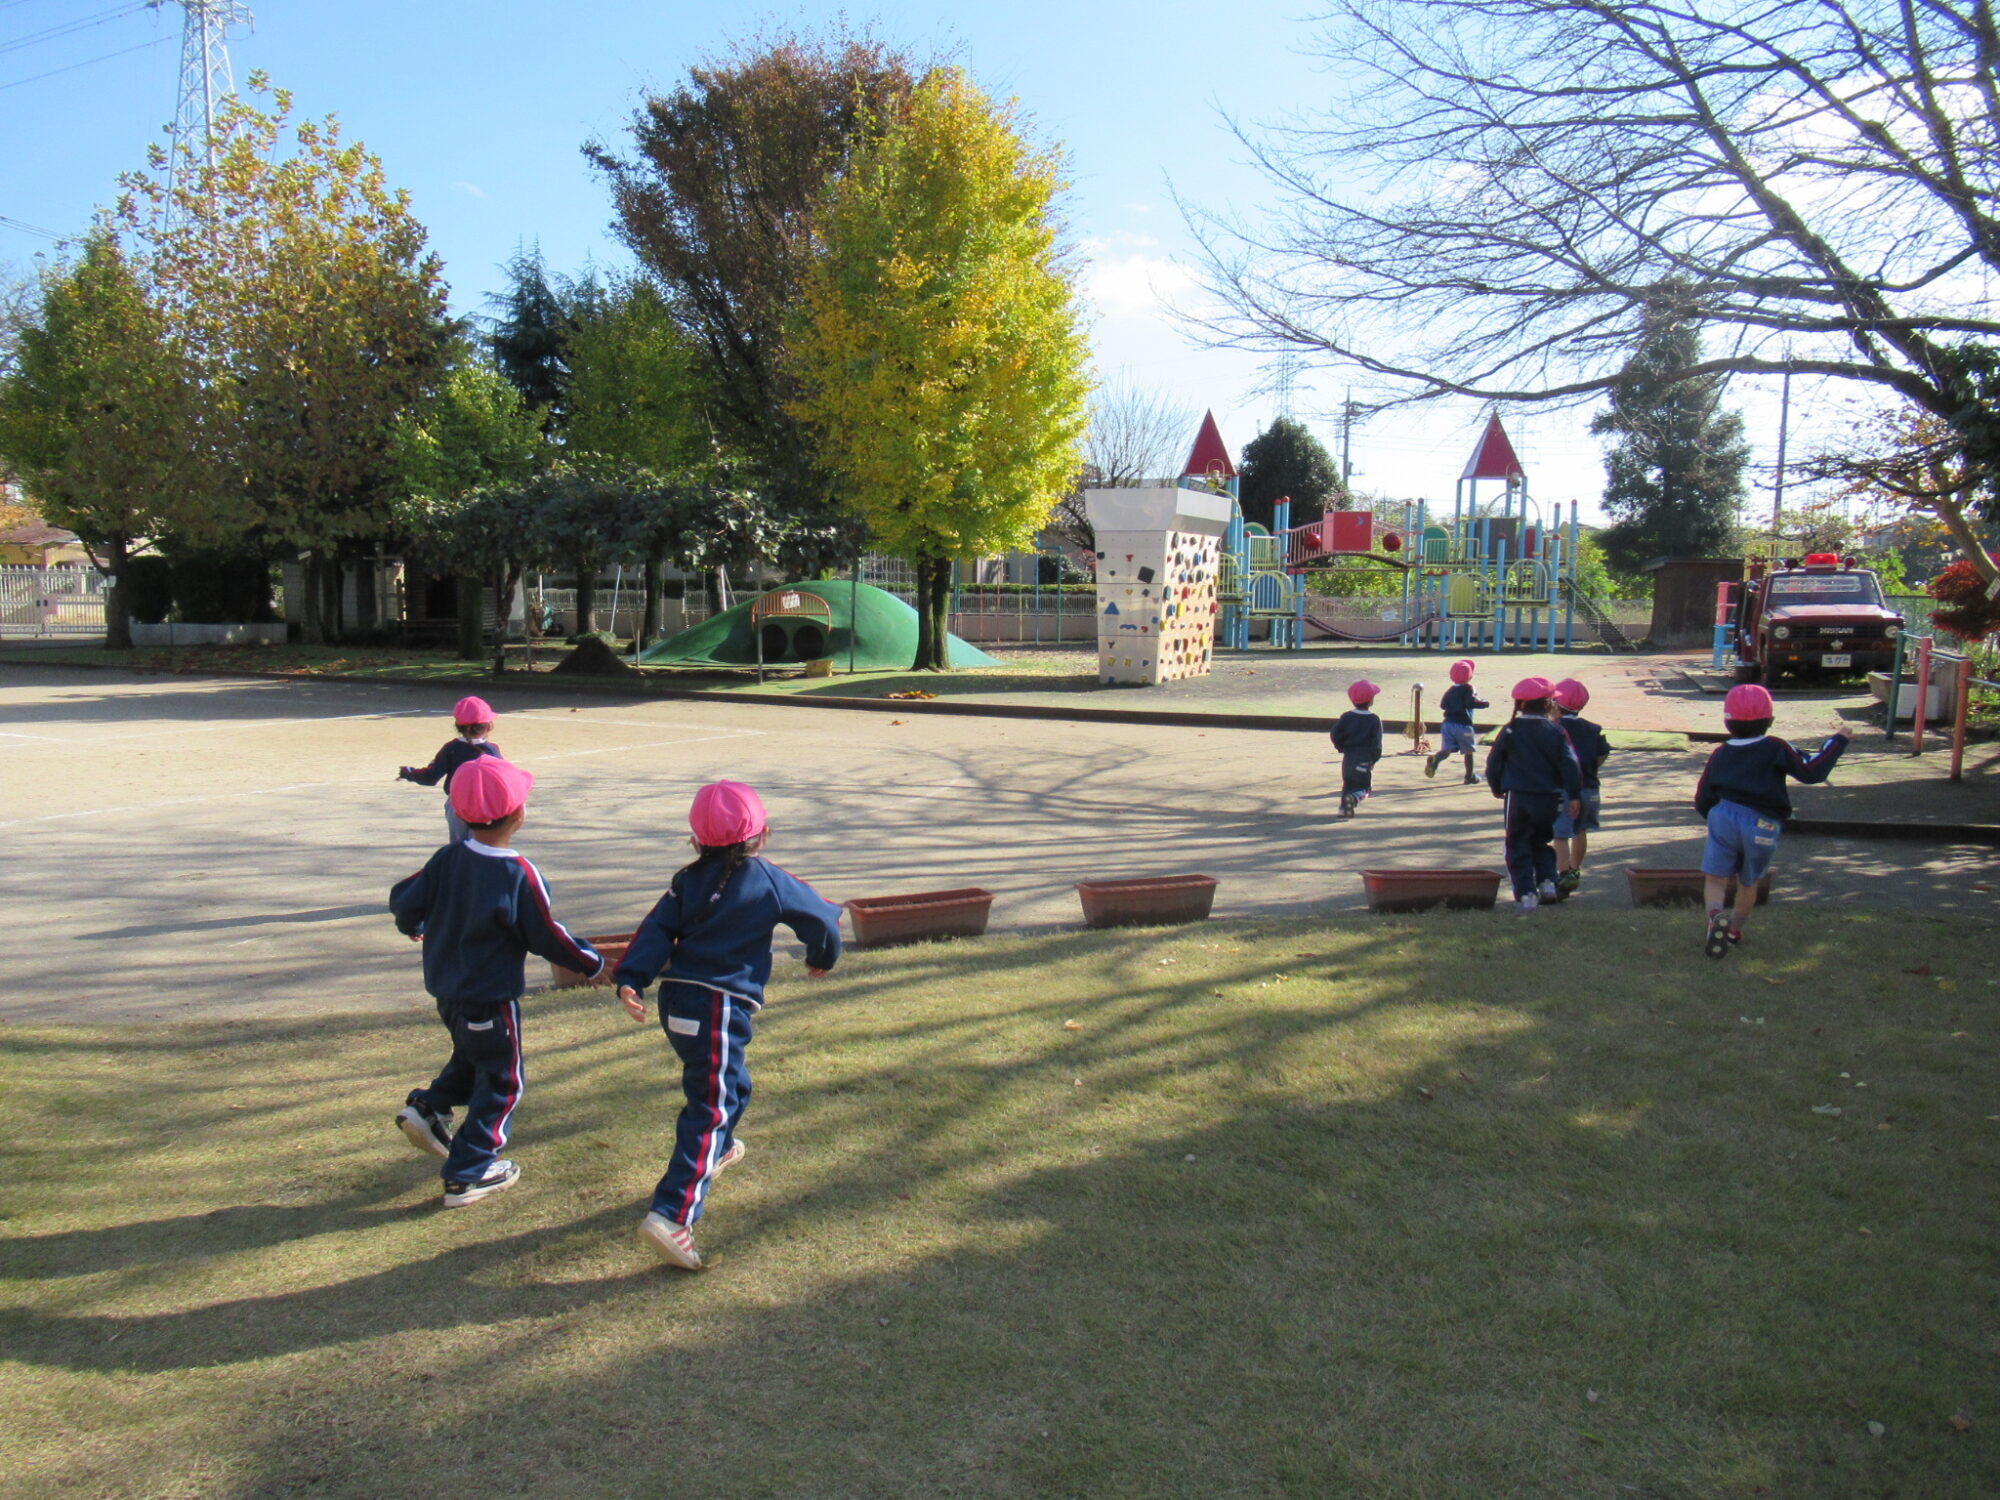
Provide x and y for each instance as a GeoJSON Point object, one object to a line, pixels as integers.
{"type": "Point", "coordinates": [1778, 489]}
{"type": "Point", "coordinates": [206, 80]}
{"type": "Point", "coordinates": [1347, 410]}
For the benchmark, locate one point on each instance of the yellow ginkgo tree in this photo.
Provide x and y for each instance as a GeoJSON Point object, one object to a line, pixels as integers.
{"type": "Point", "coordinates": [939, 345]}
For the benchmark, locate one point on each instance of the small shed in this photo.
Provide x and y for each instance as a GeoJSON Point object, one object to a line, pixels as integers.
{"type": "Point", "coordinates": [1684, 599]}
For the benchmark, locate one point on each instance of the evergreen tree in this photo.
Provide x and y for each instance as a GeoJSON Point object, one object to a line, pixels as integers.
{"type": "Point", "coordinates": [1674, 475]}
{"type": "Point", "coordinates": [1285, 459]}
{"type": "Point", "coordinates": [531, 335]}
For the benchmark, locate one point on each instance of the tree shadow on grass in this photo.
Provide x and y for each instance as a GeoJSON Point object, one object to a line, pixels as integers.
{"type": "Point", "coordinates": [1453, 1230]}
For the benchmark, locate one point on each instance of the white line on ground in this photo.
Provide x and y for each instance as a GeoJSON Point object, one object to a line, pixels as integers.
{"type": "Point", "coordinates": [238, 724]}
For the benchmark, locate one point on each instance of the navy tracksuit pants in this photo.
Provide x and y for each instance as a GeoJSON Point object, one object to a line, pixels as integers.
{"type": "Point", "coordinates": [1357, 776]}
{"type": "Point", "coordinates": [483, 1078]}
{"type": "Point", "coordinates": [1530, 839]}
{"type": "Point", "coordinates": [709, 1030]}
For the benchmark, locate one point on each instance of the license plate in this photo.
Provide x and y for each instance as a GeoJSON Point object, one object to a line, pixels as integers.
{"type": "Point", "coordinates": [1837, 659]}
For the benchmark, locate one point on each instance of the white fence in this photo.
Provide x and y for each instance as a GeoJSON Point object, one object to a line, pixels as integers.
{"type": "Point", "coordinates": [58, 601]}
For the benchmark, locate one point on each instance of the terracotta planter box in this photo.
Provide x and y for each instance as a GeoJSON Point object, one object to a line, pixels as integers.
{"type": "Point", "coordinates": [921, 917]}
{"type": "Point", "coordinates": [1154, 901]}
{"type": "Point", "coordinates": [1682, 887]}
{"type": "Point", "coordinates": [1421, 890]}
{"type": "Point", "coordinates": [612, 948]}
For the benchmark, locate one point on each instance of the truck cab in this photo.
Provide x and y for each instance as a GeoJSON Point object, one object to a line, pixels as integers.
{"type": "Point", "coordinates": [1818, 615]}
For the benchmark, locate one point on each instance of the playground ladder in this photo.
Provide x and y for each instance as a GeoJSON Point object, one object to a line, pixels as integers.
{"type": "Point", "coordinates": [1594, 615]}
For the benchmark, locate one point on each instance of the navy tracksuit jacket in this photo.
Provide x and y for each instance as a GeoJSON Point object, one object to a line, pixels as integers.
{"type": "Point", "coordinates": [480, 912]}
{"type": "Point", "coordinates": [711, 938]}
{"type": "Point", "coordinates": [1752, 774]}
{"type": "Point", "coordinates": [1357, 735]}
{"type": "Point", "coordinates": [1534, 769]}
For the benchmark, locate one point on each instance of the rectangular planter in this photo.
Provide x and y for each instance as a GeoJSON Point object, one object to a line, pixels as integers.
{"type": "Point", "coordinates": [1153, 901]}
{"type": "Point", "coordinates": [611, 949]}
{"type": "Point", "coordinates": [920, 917]}
{"type": "Point", "coordinates": [1422, 890]}
{"type": "Point", "coordinates": [1682, 887]}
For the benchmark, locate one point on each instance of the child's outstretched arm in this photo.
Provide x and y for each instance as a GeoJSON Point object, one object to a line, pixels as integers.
{"type": "Point", "coordinates": [812, 918]}
{"type": "Point", "coordinates": [429, 775]}
{"type": "Point", "coordinates": [1816, 770]}
{"type": "Point", "coordinates": [542, 935]}
{"type": "Point", "coordinates": [652, 945]}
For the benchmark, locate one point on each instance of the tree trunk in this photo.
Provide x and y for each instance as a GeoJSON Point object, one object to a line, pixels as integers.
{"type": "Point", "coordinates": [586, 600]}
{"type": "Point", "coordinates": [649, 617]}
{"type": "Point", "coordinates": [117, 618]}
{"type": "Point", "coordinates": [471, 618]}
{"type": "Point", "coordinates": [1951, 511]}
{"type": "Point", "coordinates": [330, 622]}
{"type": "Point", "coordinates": [933, 611]}
{"type": "Point", "coordinates": [312, 588]}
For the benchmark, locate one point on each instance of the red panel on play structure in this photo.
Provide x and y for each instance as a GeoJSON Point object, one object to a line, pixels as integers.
{"type": "Point", "coordinates": [1494, 457]}
{"type": "Point", "coordinates": [1349, 531]}
{"type": "Point", "coordinates": [1210, 455]}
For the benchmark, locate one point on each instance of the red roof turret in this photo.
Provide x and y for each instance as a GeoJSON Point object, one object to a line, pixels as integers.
{"type": "Point", "coordinates": [1210, 455]}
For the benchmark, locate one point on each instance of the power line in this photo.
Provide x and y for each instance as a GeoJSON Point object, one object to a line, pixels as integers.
{"type": "Point", "coordinates": [26, 228]}
{"type": "Point", "coordinates": [87, 62]}
{"type": "Point", "coordinates": [69, 27]}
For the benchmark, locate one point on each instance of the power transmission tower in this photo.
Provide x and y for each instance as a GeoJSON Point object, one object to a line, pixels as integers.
{"type": "Point", "coordinates": [1284, 381]}
{"type": "Point", "coordinates": [206, 81]}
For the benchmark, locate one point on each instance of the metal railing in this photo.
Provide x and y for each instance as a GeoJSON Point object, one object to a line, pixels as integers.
{"type": "Point", "coordinates": [44, 602]}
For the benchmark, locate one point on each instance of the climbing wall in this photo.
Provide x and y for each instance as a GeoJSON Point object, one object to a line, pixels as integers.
{"type": "Point", "coordinates": [1156, 597]}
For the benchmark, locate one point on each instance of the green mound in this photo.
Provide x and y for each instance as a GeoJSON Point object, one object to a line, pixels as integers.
{"type": "Point", "coordinates": [880, 629]}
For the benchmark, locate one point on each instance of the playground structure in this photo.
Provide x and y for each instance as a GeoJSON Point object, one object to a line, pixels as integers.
{"type": "Point", "coordinates": [852, 626]}
{"type": "Point", "coordinates": [1497, 574]}
{"type": "Point", "coordinates": [1157, 565]}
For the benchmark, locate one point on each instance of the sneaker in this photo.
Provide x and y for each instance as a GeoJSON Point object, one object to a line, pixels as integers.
{"type": "Point", "coordinates": [1430, 765]}
{"type": "Point", "coordinates": [674, 1242]}
{"type": "Point", "coordinates": [1717, 944]}
{"type": "Point", "coordinates": [426, 1129]}
{"type": "Point", "coordinates": [729, 1158]}
{"type": "Point", "coordinates": [1735, 936]}
{"type": "Point", "coordinates": [1567, 881]}
{"type": "Point", "coordinates": [1346, 806]}
{"type": "Point", "coordinates": [1526, 904]}
{"type": "Point", "coordinates": [1470, 780]}
{"type": "Point", "coordinates": [1546, 890]}
{"type": "Point", "coordinates": [501, 1175]}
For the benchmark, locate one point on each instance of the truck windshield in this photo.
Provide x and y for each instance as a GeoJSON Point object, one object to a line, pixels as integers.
{"type": "Point", "coordinates": [1826, 588]}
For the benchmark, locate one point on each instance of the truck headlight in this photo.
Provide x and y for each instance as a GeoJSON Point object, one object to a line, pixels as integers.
{"type": "Point", "coordinates": [1781, 632]}
{"type": "Point", "coordinates": [1892, 632]}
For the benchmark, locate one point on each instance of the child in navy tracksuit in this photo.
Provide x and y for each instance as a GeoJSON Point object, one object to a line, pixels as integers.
{"type": "Point", "coordinates": [474, 721]}
{"type": "Point", "coordinates": [711, 935]}
{"type": "Point", "coordinates": [1357, 735]}
{"type": "Point", "coordinates": [1458, 735]}
{"type": "Point", "coordinates": [1532, 768]}
{"type": "Point", "coordinates": [1742, 794]}
{"type": "Point", "coordinates": [479, 908]}
{"type": "Point", "coordinates": [1590, 745]}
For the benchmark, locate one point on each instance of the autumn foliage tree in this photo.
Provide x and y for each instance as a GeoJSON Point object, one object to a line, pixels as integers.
{"type": "Point", "coordinates": [719, 203]}
{"type": "Point", "coordinates": [298, 282]}
{"type": "Point", "coordinates": [99, 416]}
{"type": "Point", "coordinates": [939, 351]}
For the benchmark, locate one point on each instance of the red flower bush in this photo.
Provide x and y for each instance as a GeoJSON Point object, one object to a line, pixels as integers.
{"type": "Point", "coordinates": [1970, 615]}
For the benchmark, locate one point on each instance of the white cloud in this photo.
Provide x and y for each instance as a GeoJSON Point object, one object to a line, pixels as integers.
{"type": "Point", "coordinates": [470, 189]}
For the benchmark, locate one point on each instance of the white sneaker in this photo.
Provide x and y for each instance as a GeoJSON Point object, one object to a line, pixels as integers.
{"type": "Point", "coordinates": [674, 1242]}
{"type": "Point", "coordinates": [502, 1174]}
{"type": "Point", "coordinates": [426, 1129]}
{"type": "Point", "coordinates": [1526, 904]}
{"type": "Point", "coordinates": [729, 1158]}
{"type": "Point", "coordinates": [1547, 890]}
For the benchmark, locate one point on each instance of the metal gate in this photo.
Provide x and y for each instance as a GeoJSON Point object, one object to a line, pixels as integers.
{"type": "Point", "coordinates": [51, 601]}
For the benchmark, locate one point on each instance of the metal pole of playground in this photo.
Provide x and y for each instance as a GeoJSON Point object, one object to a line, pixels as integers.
{"type": "Point", "coordinates": [853, 612]}
{"type": "Point", "coordinates": [1569, 594]}
{"type": "Point", "coordinates": [1895, 688]}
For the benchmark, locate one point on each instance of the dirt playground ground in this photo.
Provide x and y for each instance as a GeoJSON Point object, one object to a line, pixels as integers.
{"type": "Point", "coordinates": [203, 847]}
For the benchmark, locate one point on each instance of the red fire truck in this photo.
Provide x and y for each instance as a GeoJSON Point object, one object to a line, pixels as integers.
{"type": "Point", "coordinates": [1820, 615]}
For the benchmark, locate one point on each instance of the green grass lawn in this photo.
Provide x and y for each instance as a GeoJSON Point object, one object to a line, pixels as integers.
{"type": "Point", "coordinates": [1470, 1206]}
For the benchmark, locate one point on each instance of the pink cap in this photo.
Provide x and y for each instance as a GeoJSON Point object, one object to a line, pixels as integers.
{"type": "Point", "coordinates": [1572, 695]}
{"type": "Point", "coordinates": [1461, 670]}
{"type": "Point", "coordinates": [1362, 693]}
{"type": "Point", "coordinates": [488, 789]}
{"type": "Point", "coordinates": [726, 812]}
{"type": "Point", "coordinates": [1747, 701]}
{"type": "Point", "coordinates": [472, 711]}
{"type": "Point", "coordinates": [1533, 687]}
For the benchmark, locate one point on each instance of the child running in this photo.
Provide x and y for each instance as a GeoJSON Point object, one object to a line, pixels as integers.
{"type": "Point", "coordinates": [711, 935]}
{"type": "Point", "coordinates": [1459, 737]}
{"type": "Point", "coordinates": [474, 720]}
{"type": "Point", "coordinates": [1357, 735]}
{"type": "Point", "coordinates": [1588, 741]}
{"type": "Point", "coordinates": [479, 908]}
{"type": "Point", "coordinates": [1532, 768]}
{"type": "Point", "coordinates": [1742, 794]}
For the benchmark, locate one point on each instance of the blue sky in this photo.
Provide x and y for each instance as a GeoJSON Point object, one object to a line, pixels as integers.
{"type": "Point", "coordinates": [479, 110]}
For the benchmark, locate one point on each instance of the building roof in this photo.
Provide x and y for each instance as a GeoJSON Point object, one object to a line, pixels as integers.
{"type": "Point", "coordinates": [1494, 457]}
{"type": "Point", "coordinates": [1210, 455]}
{"type": "Point", "coordinates": [36, 533]}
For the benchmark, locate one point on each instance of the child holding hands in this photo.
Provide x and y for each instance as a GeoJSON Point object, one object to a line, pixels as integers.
{"type": "Point", "coordinates": [711, 935]}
